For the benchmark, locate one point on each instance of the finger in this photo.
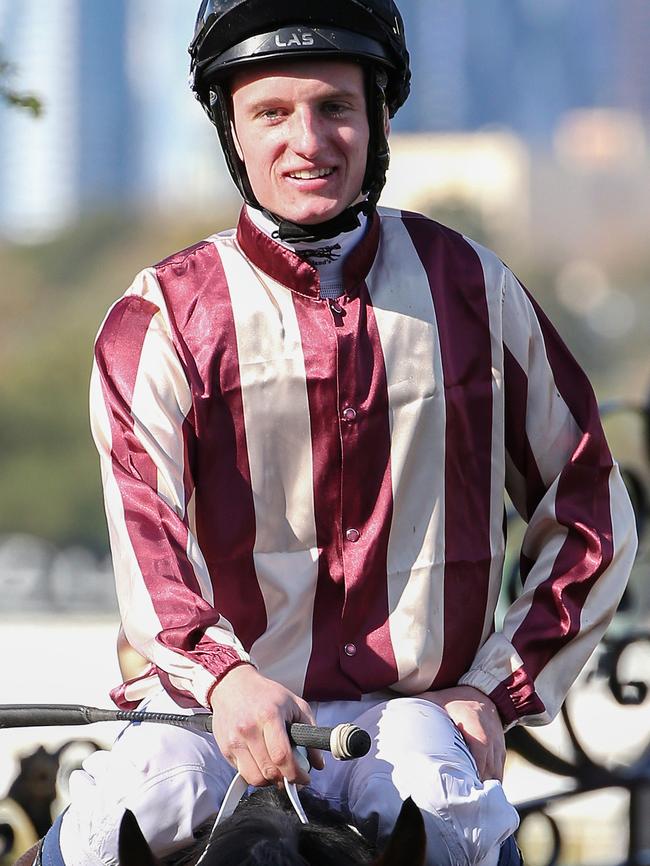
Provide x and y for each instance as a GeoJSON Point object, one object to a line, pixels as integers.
{"type": "Point", "coordinates": [494, 764]}
{"type": "Point", "coordinates": [303, 713]}
{"type": "Point", "coordinates": [498, 755]}
{"type": "Point", "coordinates": [316, 759]}
{"type": "Point", "coordinates": [282, 755]}
{"type": "Point", "coordinates": [479, 752]}
{"type": "Point", "coordinates": [488, 770]}
{"type": "Point", "coordinates": [482, 766]}
{"type": "Point", "coordinates": [306, 717]}
{"type": "Point", "coordinates": [266, 761]}
{"type": "Point", "coordinates": [246, 750]}
{"type": "Point", "coordinates": [500, 763]}
{"type": "Point", "coordinates": [246, 765]}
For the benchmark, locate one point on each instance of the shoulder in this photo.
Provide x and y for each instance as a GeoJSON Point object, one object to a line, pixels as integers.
{"type": "Point", "coordinates": [438, 245]}
{"type": "Point", "coordinates": [190, 279]}
{"type": "Point", "coordinates": [160, 295]}
{"type": "Point", "coordinates": [134, 311]}
{"type": "Point", "coordinates": [426, 229]}
{"type": "Point", "coordinates": [141, 314]}
{"type": "Point", "coordinates": [130, 316]}
{"type": "Point", "coordinates": [203, 251]}
{"type": "Point", "coordinates": [390, 217]}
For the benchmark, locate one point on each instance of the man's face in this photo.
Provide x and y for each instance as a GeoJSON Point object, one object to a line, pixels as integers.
{"type": "Point", "coordinates": [301, 129]}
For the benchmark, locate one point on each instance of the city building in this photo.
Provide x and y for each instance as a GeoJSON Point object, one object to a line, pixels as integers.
{"type": "Point", "coordinates": [175, 150]}
{"type": "Point", "coordinates": [38, 175]}
{"type": "Point", "coordinates": [122, 129]}
{"type": "Point", "coordinates": [105, 167]}
{"type": "Point", "coordinates": [76, 157]}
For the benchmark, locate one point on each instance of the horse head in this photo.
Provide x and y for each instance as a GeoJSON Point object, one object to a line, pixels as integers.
{"type": "Point", "coordinates": [265, 830]}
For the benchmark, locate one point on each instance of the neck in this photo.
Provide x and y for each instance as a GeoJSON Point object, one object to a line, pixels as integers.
{"type": "Point", "coordinates": [346, 221]}
{"type": "Point", "coordinates": [327, 255]}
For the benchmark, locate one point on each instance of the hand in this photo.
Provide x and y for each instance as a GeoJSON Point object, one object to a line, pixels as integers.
{"type": "Point", "coordinates": [250, 713]}
{"type": "Point", "coordinates": [476, 717]}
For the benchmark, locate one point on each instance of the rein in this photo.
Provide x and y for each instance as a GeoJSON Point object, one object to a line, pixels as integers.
{"type": "Point", "coordinates": [238, 788]}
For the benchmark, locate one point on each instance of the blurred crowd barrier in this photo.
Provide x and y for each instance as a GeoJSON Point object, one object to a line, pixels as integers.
{"type": "Point", "coordinates": [37, 577]}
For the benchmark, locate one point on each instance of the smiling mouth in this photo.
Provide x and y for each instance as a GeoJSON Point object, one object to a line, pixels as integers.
{"type": "Point", "coordinates": [311, 174]}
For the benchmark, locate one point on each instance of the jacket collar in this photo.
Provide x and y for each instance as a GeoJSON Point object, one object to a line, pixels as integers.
{"type": "Point", "coordinates": [285, 267]}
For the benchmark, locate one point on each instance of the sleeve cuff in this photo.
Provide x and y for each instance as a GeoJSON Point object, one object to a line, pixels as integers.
{"type": "Point", "coordinates": [515, 697]}
{"type": "Point", "coordinates": [216, 680]}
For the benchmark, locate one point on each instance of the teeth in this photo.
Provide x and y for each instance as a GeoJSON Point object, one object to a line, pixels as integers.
{"type": "Point", "coordinates": [311, 175]}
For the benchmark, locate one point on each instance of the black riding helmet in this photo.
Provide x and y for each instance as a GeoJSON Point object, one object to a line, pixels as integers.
{"type": "Point", "coordinates": [232, 33]}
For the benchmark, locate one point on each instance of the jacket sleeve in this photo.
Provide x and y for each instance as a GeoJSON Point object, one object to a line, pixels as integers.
{"type": "Point", "coordinates": [580, 540]}
{"type": "Point", "coordinates": [141, 419]}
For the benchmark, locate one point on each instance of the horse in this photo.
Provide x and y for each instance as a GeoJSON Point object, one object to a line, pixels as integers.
{"type": "Point", "coordinates": [265, 830]}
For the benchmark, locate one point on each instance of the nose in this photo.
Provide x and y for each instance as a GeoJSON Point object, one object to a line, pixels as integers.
{"type": "Point", "coordinates": [307, 133]}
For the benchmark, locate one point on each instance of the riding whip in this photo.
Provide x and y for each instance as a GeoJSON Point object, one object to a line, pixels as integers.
{"type": "Point", "coordinates": [344, 741]}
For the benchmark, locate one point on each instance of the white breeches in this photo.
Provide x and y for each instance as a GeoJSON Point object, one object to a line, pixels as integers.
{"type": "Point", "coordinates": [174, 779]}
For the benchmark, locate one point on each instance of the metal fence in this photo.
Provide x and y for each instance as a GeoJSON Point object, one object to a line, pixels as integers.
{"type": "Point", "coordinates": [575, 765]}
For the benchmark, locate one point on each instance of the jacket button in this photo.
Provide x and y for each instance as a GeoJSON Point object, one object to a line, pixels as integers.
{"type": "Point", "coordinates": [350, 649]}
{"type": "Point", "coordinates": [352, 535]}
{"type": "Point", "coordinates": [349, 414]}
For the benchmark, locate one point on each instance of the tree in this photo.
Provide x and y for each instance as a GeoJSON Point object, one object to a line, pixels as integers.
{"type": "Point", "coordinates": [8, 94]}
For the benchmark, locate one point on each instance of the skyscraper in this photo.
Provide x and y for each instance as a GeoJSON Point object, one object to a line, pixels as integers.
{"type": "Point", "coordinates": [436, 32]}
{"type": "Point", "coordinates": [71, 54]}
{"type": "Point", "coordinates": [520, 63]}
{"type": "Point", "coordinates": [177, 157]}
{"type": "Point", "coordinates": [105, 166]}
{"type": "Point", "coordinates": [121, 126]}
{"type": "Point", "coordinates": [38, 182]}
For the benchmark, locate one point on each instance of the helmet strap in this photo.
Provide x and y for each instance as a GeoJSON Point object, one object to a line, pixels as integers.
{"type": "Point", "coordinates": [220, 114]}
{"type": "Point", "coordinates": [293, 233]}
{"type": "Point", "coordinates": [378, 149]}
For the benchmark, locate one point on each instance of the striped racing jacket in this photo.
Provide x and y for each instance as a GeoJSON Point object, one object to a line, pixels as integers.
{"type": "Point", "coordinates": [318, 486]}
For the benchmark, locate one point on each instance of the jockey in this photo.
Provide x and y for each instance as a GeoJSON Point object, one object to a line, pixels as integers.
{"type": "Point", "coordinates": [307, 426]}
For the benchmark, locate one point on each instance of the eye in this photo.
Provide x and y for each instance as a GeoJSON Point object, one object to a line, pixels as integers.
{"type": "Point", "coordinates": [335, 109]}
{"type": "Point", "coordinates": [271, 114]}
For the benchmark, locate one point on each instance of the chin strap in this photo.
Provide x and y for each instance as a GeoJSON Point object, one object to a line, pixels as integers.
{"type": "Point", "coordinates": [293, 233]}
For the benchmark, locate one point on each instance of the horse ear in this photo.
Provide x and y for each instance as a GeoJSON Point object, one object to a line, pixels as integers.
{"type": "Point", "coordinates": [408, 842]}
{"type": "Point", "coordinates": [132, 846]}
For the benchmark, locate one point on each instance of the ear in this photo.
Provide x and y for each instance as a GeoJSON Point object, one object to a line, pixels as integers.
{"type": "Point", "coordinates": [408, 842]}
{"type": "Point", "coordinates": [132, 846]}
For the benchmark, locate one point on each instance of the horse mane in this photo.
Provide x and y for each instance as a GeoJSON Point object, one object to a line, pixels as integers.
{"type": "Point", "coordinates": [265, 831]}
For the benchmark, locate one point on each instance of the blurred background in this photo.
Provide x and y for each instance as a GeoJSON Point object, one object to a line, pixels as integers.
{"type": "Point", "coordinates": [528, 128]}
